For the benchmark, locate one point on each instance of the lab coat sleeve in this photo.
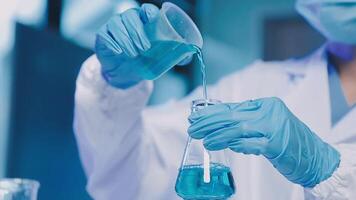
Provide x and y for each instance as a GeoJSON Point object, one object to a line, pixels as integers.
{"type": "Point", "coordinates": [106, 121]}
{"type": "Point", "coordinates": [342, 184]}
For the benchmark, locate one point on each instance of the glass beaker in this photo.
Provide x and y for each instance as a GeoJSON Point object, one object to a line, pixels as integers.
{"type": "Point", "coordinates": [190, 183]}
{"type": "Point", "coordinates": [18, 189]}
{"type": "Point", "coordinates": [173, 36]}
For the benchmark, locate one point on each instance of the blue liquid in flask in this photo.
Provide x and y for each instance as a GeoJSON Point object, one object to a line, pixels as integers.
{"type": "Point", "coordinates": [190, 183]}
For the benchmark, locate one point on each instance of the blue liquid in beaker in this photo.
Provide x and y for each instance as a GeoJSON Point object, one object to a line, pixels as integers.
{"type": "Point", "coordinates": [190, 183]}
{"type": "Point", "coordinates": [162, 56]}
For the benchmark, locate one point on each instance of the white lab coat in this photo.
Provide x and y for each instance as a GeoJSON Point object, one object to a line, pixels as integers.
{"type": "Point", "coordinates": [131, 151]}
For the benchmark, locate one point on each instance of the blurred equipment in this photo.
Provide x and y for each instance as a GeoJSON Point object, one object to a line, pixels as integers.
{"type": "Point", "coordinates": [18, 189]}
{"type": "Point", "coordinates": [289, 31]}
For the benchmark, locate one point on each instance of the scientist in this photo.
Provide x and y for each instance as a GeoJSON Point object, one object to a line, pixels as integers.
{"type": "Point", "coordinates": [301, 123]}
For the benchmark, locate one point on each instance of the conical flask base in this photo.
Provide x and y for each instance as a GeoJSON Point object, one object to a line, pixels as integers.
{"type": "Point", "coordinates": [190, 183]}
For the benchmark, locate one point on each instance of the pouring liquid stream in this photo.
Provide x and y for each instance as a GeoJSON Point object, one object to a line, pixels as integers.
{"type": "Point", "coordinates": [206, 161]}
{"type": "Point", "coordinates": [203, 73]}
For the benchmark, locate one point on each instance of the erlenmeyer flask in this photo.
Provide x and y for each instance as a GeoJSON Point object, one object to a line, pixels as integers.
{"type": "Point", "coordinates": [191, 183]}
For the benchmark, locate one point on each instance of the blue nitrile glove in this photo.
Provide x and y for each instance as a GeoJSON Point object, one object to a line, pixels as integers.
{"type": "Point", "coordinates": [267, 127]}
{"type": "Point", "coordinates": [120, 39]}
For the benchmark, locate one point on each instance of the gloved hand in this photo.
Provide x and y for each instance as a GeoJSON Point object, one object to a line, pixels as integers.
{"type": "Point", "coordinates": [267, 127]}
{"type": "Point", "coordinates": [120, 39]}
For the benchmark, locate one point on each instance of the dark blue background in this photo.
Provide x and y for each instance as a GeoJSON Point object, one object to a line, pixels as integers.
{"type": "Point", "coordinates": [42, 143]}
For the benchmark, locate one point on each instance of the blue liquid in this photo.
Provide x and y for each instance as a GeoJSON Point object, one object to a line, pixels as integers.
{"type": "Point", "coordinates": [162, 56]}
{"type": "Point", "coordinates": [190, 183]}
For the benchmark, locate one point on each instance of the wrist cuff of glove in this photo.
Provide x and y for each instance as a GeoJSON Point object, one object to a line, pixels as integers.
{"type": "Point", "coordinates": [342, 180]}
{"type": "Point", "coordinates": [118, 83]}
{"type": "Point", "coordinates": [307, 172]}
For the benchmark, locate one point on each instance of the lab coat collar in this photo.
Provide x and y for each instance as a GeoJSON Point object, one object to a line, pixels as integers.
{"type": "Point", "coordinates": [345, 129]}
{"type": "Point", "coordinates": [309, 101]}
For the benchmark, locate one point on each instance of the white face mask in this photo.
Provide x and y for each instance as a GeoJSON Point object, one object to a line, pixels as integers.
{"type": "Point", "coordinates": [335, 19]}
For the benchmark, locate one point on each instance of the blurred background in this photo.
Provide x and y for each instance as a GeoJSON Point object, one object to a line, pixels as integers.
{"type": "Point", "coordinates": [44, 42]}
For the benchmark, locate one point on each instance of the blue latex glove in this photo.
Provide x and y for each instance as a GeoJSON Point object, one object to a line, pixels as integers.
{"type": "Point", "coordinates": [120, 39]}
{"type": "Point", "coordinates": [267, 127]}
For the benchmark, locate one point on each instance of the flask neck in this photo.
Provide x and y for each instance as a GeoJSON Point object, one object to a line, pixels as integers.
{"type": "Point", "coordinates": [202, 103]}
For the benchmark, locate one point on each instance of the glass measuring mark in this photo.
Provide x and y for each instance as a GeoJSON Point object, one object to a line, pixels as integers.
{"type": "Point", "coordinates": [191, 186]}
